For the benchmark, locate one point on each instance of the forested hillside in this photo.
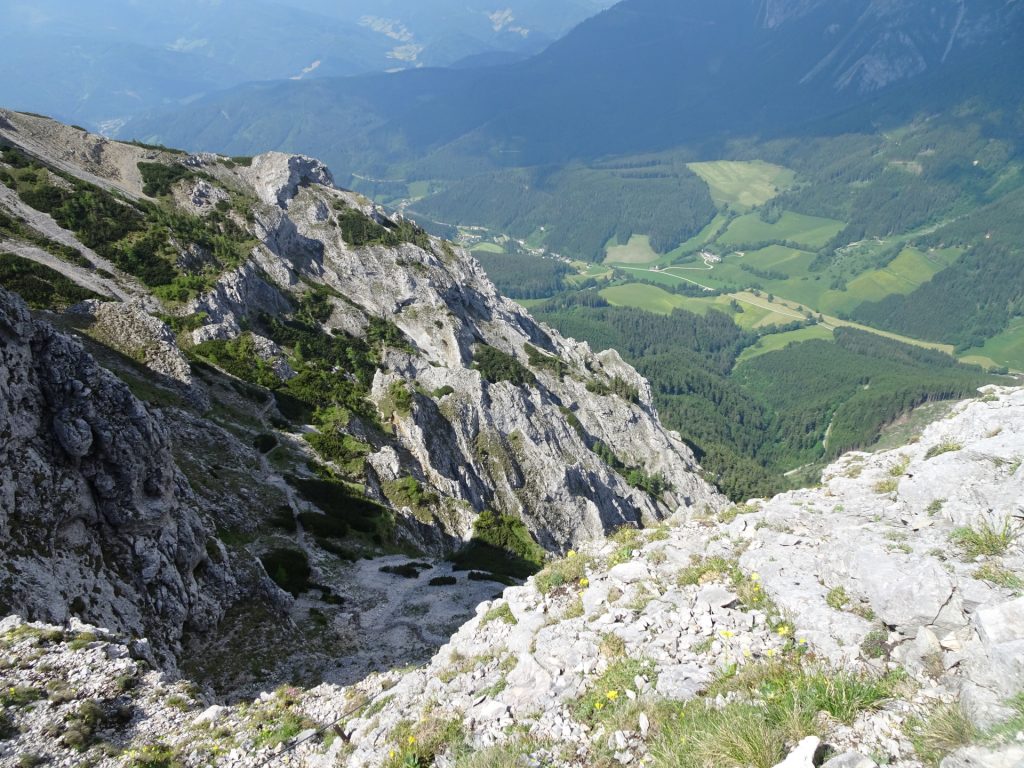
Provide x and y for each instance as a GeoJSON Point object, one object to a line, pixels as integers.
{"type": "Point", "coordinates": [575, 211]}
{"type": "Point", "coordinates": [754, 421]}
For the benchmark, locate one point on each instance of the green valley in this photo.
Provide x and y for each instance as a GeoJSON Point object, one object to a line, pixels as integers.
{"type": "Point", "coordinates": [844, 273]}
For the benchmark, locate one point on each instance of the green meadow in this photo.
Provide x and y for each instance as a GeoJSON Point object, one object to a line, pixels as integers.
{"type": "Point", "coordinates": [777, 341]}
{"type": "Point", "coordinates": [808, 231]}
{"type": "Point", "coordinates": [743, 184]}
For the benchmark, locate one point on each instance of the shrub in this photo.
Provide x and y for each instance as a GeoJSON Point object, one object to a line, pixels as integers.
{"type": "Point", "coordinates": [501, 545]}
{"type": "Point", "coordinates": [875, 644]}
{"type": "Point", "coordinates": [264, 443]}
{"type": "Point", "coordinates": [40, 286]}
{"type": "Point", "coordinates": [323, 526]}
{"type": "Point", "coordinates": [289, 569]}
{"type": "Point", "coordinates": [408, 492]}
{"type": "Point", "coordinates": [82, 725]}
{"type": "Point", "coordinates": [158, 179]}
{"type": "Point", "coordinates": [497, 366]}
{"type": "Point", "coordinates": [545, 362]}
{"type": "Point", "coordinates": [406, 570]}
{"type": "Point", "coordinates": [156, 755]}
{"type": "Point", "coordinates": [443, 581]}
{"type": "Point", "coordinates": [837, 598]}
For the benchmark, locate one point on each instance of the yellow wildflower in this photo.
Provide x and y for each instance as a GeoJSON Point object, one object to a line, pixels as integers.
{"type": "Point", "coordinates": [784, 630]}
{"type": "Point", "coordinates": [727, 634]}
{"type": "Point", "coordinates": [755, 577]}
{"type": "Point", "coordinates": [770, 653]}
{"type": "Point", "coordinates": [412, 740]}
{"type": "Point", "coordinates": [571, 553]}
{"type": "Point", "coordinates": [599, 705]}
{"type": "Point", "coordinates": [612, 695]}
{"type": "Point", "coordinates": [584, 582]}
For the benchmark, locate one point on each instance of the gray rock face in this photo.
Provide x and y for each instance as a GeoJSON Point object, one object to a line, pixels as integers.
{"type": "Point", "coordinates": [277, 177]}
{"type": "Point", "coordinates": [94, 516]}
{"type": "Point", "coordinates": [513, 449]}
{"type": "Point", "coordinates": [128, 328]}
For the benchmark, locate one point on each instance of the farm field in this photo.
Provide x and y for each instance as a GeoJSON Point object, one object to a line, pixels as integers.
{"type": "Point", "coordinates": [777, 341]}
{"type": "Point", "coordinates": [1005, 349]}
{"type": "Point", "coordinates": [637, 251]}
{"type": "Point", "coordinates": [809, 231]}
{"type": "Point", "coordinates": [743, 184]}
{"type": "Point", "coordinates": [485, 247]}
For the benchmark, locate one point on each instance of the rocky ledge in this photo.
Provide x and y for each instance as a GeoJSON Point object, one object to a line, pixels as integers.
{"type": "Point", "coordinates": [874, 620]}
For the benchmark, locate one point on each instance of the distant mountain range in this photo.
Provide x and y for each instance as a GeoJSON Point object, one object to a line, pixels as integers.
{"type": "Point", "coordinates": [643, 75]}
{"type": "Point", "coordinates": [100, 66]}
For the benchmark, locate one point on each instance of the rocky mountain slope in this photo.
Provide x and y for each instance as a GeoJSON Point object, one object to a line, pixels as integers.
{"type": "Point", "coordinates": [874, 620]}
{"type": "Point", "coordinates": [309, 391]}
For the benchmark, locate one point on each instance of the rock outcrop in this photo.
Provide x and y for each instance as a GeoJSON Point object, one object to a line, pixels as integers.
{"type": "Point", "coordinates": [95, 520]}
{"type": "Point", "coordinates": [622, 652]}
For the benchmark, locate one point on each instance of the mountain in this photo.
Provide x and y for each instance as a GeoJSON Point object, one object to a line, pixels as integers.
{"type": "Point", "coordinates": [100, 66]}
{"type": "Point", "coordinates": [643, 75]}
{"type": "Point", "coordinates": [262, 386]}
{"type": "Point", "coordinates": [857, 620]}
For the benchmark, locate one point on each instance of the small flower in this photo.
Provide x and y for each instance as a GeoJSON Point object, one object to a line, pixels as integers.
{"type": "Point", "coordinates": [784, 630]}
{"type": "Point", "coordinates": [391, 754]}
{"type": "Point", "coordinates": [727, 634]}
{"type": "Point", "coordinates": [746, 653]}
{"type": "Point", "coordinates": [770, 653]}
{"type": "Point", "coordinates": [803, 641]}
{"type": "Point", "coordinates": [599, 705]}
{"type": "Point", "coordinates": [755, 577]}
{"type": "Point", "coordinates": [584, 582]}
{"type": "Point", "coordinates": [612, 695]}
{"type": "Point", "coordinates": [571, 553]}
{"type": "Point", "coordinates": [412, 740]}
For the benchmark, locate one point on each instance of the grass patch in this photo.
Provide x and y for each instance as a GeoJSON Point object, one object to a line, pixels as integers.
{"type": "Point", "coordinates": [1000, 576]}
{"type": "Point", "coordinates": [772, 705]}
{"type": "Point", "coordinates": [499, 613]}
{"type": "Point", "coordinates": [559, 573]}
{"type": "Point", "coordinates": [946, 446]}
{"type": "Point", "coordinates": [608, 693]}
{"type": "Point", "coordinates": [155, 755]}
{"type": "Point", "coordinates": [943, 730]}
{"type": "Point", "coordinates": [889, 485]}
{"type": "Point", "coordinates": [837, 599]}
{"type": "Point", "coordinates": [279, 722]}
{"type": "Point", "coordinates": [419, 746]}
{"type": "Point", "coordinates": [985, 540]}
